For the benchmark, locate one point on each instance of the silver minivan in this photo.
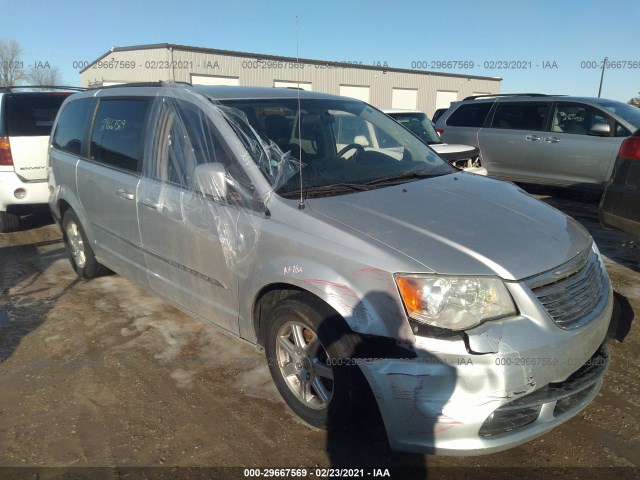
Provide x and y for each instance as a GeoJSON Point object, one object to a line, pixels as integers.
{"type": "Point", "coordinates": [543, 139]}
{"type": "Point", "coordinates": [472, 313]}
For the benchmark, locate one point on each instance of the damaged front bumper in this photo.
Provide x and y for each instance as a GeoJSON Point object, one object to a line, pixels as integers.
{"type": "Point", "coordinates": [506, 383]}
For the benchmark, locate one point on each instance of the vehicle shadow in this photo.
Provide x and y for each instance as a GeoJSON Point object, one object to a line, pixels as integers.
{"type": "Point", "coordinates": [37, 219]}
{"type": "Point", "coordinates": [24, 307]}
{"type": "Point", "coordinates": [416, 397]}
{"type": "Point", "coordinates": [616, 246]}
{"type": "Point", "coordinates": [33, 217]}
{"type": "Point", "coordinates": [621, 319]}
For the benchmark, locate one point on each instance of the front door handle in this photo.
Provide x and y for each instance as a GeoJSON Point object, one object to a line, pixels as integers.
{"type": "Point", "coordinates": [147, 202]}
{"type": "Point", "coordinates": [552, 139]}
{"type": "Point", "coordinates": [126, 195]}
{"type": "Point", "coordinates": [532, 138]}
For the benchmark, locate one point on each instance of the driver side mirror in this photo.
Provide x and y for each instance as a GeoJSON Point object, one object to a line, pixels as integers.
{"type": "Point", "coordinates": [210, 179]}
{"type": "Point", "coordinates": [600, 129]}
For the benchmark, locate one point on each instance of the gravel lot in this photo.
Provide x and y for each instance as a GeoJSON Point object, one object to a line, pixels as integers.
{"type": "Point", "coordinates": [101, 373]}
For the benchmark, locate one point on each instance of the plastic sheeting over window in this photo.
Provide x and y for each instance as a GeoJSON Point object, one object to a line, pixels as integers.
{"type": "Point", "coordinates": [203, 178]}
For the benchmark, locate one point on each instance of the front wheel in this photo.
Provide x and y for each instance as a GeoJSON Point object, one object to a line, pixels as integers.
{"type": "Point", "coordinates": [310, 351]}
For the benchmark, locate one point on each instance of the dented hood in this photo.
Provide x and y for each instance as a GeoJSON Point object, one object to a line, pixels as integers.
{"type": "Point", "coordinates": [462, 224]}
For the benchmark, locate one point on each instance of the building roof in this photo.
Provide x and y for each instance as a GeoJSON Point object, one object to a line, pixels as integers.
{"type": "Point", "coordinates": [171, 46]}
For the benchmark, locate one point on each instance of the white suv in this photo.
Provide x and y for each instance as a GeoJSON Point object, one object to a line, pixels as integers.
{"type": "Point", "coordinates": [26, 118]}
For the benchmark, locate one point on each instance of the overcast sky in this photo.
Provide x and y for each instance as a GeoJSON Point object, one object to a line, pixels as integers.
{"type": "Point", "coordinates": [570, 38]}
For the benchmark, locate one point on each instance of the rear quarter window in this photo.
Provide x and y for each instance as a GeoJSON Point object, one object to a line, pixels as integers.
{"type": "Point", "coordinates": [32, 114]}
{"type": "Point", "coordinates": [470, 115]}
{"type": "Point", "coordinates": [117, 138]}
{"type": "Point", "coordinates": [72, 124]}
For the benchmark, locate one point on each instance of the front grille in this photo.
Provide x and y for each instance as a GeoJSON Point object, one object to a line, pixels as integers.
{"type": "Point", "coordinates": [576, 292]}
{"type": "Point", "coordinates": [568, 395]}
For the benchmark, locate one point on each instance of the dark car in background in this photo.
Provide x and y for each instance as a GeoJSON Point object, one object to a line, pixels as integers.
{"type": "Point", "coordinates": [620, 205]}
{"type": "Point", "coordinates": [438, 113]}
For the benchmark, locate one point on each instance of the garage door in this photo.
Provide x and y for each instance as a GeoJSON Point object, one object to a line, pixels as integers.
{"type": "Point", "coordinates": [289, 84]}
{"type": "Point", "coordinates": [354, 91]}
{"type": "Point", "coordinates": [214, 80]}
{"type": "Point", "coordinates": [444, 98]}
{"type": "Point", "coordinates": [405, 98]}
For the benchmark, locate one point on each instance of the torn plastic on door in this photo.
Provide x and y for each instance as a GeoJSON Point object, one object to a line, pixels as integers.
{"type": "Point", "coordinates": [201, 163]}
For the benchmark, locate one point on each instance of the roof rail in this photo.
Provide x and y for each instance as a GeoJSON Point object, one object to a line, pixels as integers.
{"type": "Point", "coordinates": [487, 95]}
{"type": "Point", "coordinates": [159, 83]}
{"type": "Point", "coordinates": [42, 87]}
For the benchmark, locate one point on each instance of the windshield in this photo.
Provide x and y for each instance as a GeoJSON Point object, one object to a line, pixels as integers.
{"type": "Point", "coordinates": [628, 112]}
{"type": "Point", "coordinates": [419, 124]}
{"type": "Point", "coordinates": [341, 143]}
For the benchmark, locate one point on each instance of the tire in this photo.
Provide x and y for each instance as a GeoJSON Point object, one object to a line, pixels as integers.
{"type": "Point", "coordinates": [9, 222]}
{"type": "Point", "coordinates": [80, 253]}
{"type": "Point", "coordinates": [300, 322]}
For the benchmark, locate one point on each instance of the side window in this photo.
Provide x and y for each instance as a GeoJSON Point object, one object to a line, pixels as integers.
{"type": "Point", "coordinates": [349, 128]}
{"type": "Point", "coordinates": [385, 140]}
{"type": "Point", "coordinates": [117, 138]}
{"type": "Point", "coordinates": [520, 116]}
{"type": "Point", "coordinates": [71, 126]}
{"type": "Point", "coordinates": [576, 118]}
{"type": "Point", "coordinates": [470, 115]}
{"type": "Point", "coordinates": [622, 131]}
{"type": "Point", "coordinates": [184, 138]}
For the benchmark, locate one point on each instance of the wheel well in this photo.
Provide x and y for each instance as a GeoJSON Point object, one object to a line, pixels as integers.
{"type": "Point", "coordinates": [63, 206]}
{"type": "Point", "coordinates": [267, 299]}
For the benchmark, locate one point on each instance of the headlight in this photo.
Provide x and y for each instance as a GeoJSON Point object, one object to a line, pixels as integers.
{"type": "Point", "coordinates": [455, 303]}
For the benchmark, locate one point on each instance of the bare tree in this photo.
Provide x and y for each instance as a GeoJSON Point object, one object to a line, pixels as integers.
{"type": "Point", "coordinates": [635, 101]}
{"type": "Point", "coordinates": [11, 65]}
{"type": "Point", "coordinates": [43, 76]}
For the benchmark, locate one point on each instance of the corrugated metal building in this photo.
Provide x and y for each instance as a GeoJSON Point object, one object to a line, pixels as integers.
{"type": "Point", "coordinates": [382, 86]}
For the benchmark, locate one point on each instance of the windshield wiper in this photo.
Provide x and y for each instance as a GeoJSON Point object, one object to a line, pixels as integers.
{"type": "Point", "coordinates": [401, 177]}
{"type": "Point", "coordinates": [336, 187]}
{"type": "Point", "coordinates": [331, 188]}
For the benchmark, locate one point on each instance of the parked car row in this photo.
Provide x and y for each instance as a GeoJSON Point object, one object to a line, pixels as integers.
{"type": "Point", "coordinates": [321, 230]}
{"type": "Point", "coordinates": [27, 113]}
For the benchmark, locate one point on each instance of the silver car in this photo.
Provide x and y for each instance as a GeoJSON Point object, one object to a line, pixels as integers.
{"type": "Point", "coordinates": [474, 314]}
{"type": "Point", "coordinates": [543, 139]}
